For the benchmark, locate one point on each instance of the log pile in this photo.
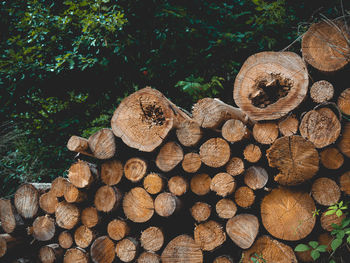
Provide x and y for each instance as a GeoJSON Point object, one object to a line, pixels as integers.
{"type": "Point", "coordinates": [217, 185]}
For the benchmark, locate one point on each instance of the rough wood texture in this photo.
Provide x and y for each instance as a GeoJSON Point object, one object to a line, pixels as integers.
{"type": "Point", "coordinates": [67, 215]}
{"type": "Point", "coordinates": [191, 162]}
{"type": "Point", "coordinates": [265, 132]}
{"type": "Point", "coordinates": [90, 217]}
{"type": "Point", "coordinates": [58, 185]}
{"type": "Point", "coordinates": [209, 235]}
{"type": "Point", "coordinates": [138, 205]}
{"type": "Point", "coordinates": [27, 200]}
{"type": "Point", "coordinates": [223, 259]}
{"type": "Point", "coordinates": [107, 198]}
{"type": "Point", "coordinates": [182, 249]}
{"type": "Point", "coordinates": [200, 211]}
{"type": "Point", "coordinates": [243, 229]}
{"type": "Point", "coordinates": [112, 172]}
{"type": "Point", "coordinates": [117, 229]}
{"type": "Point", "coordinates": [83, 236]}
{"type": "Point", "coordinates": [153, 183]}
{"type": "Point", "coordinates": [79, 144]}
{"type": "Point", "coordinates": [102, 144]}
{"type": "Point", "coordinates": [331, 158]}
{"type": "Point", "coordinates": [344, 102]}
{"type": "Point", "coordinates": [344, 183]}
{"type": "Point", "coordinates": [288, 214]}
{"type": "Point", "coordinates": [344, 143]}
{"type": "Point", "coordinates": [321, 127]}
{"type": "Point", "coordinates": [148, 257]}
{"type": "Point", "coordinates": [324, 46]}
{"type": "Point", "coordinates": [166, 204]}
{"type": "Point", "coordinates": [65, 239]}
{"type": "Point", "coordinates": [126, 249]}
{"type": "Point", "coordinates": [223, 184]}
{"type": "Point", "coordinates": [252, 153]}
{"type": "Point", "coordinates": [102, 250]}
{"type": "Point", "coordinates": [256, 177]}
{"type": "Point", "coordinates": [325, 191]}
{"type": "Point", "coordinates": [50, 253]}
{"type": "Point", "coordinates": [3, 246]}
{"type": "Point", "coordinates": [73, 194]}
{"type": "Point", "coordinates": [270, 85]}
{"type": "Point", "coordinates": [215, 152]}
{"type": "Point", "coordinates": [234, 131]}
{"type": "Point", "coordinates": [177, 185]}
{"type": "Point", "coordinates": [48, 202]}
{"type": "Point", "coordinates": [235, 166]}
{"type": "Point", "coordinates": [244, 197]}
{"type": "Point", "coordinates": [152, 239]}
{"type": "Point", "coordinates": [189, 133]}
{"type": "Point", "coordinates": [289, 125]}
{"type": "Point", "coordinates": [76, 255]}
{"type": "Point", "coordinates": [200, 184]}
{"type": "Point", "coordinates": [226, 208]}
{"type": "Point", "coordinates": [135, 169]}
{"type": "Point", "coordinates": [7, 216]}
{"type": "Point", "coordinates": [80, 174]}
{"type": "Point", "coordinates": [328, 220]}
{"type": "Point", "coordinates": [321, 91]}
{"type": "Point", "coordinates": [43, 228]}
{"type": "Point", "coordinates": [169, 156]}
{"type": "Point", "coordinates": [295, 158]}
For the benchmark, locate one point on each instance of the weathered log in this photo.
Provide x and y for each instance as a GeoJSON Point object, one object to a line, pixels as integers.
{"type": "Point", "coordinates": [153, 183]}
{"type": "Point", "coordinates": [244, 197]}
{"type": "Point", "coordinates": [200, 211]}
{"type": "Point", "coordinates": [169, 156]}
{"type": "Point", "coordinates": [51, 253]}
{"type": "Point", "coordinates": [48, 202]}
{"type": "Point", "coordinates": [117, 229]}
{"type": "Point", "coordinates": [102, 250]}
{"type": "Point", "coordinates": [152, 239]}
{"type": "Point", "coordinates": [327, 221]}
{"type": "Point", "coordinates": [256, 177]}
{"type": "Point", "coordinates": [252, 153]}
{"type": "Point", "coordinates": [235, 166]}
{"type": "Point", "coordinates": [223, 259]}
{"type": "Point", "coordinates": [321, 91]}
{"type": "Point", "coordinates": [65, 239]}
{"type": "Point", "coordinates": [344, 143]}
{"type": "Point", "coordinates": [345, 182]}
{"type": "Point", "coordinates": [73, 195]}
{"type": "Point", "coordinates": [200, 184]}
{"type": "Point", "coordinates": [44, 228]}
{"type": "Point", "coordinates": [107, 198]}
{"type": "Point", "coordinates": [226, 208]}
{"type": "Point", "coordinates": [148, 257]}
{"type": "Point", "coordinates": [111, 172]}
{"type": "Point", "coordinates": [90, 217]}
{"type": "Point", "coordinates": [223, 184]}
{"type": "Point", "coordinates": [83, 236]}
{"type": "Point", "coordinates": [135, 169]}
{"type": "Point", "coordinates": [79, 144]}
{"type": "Point", "coordinates": [126, 249]}
{"type": "Point", "coordinates": [289, 125]}
{"type": "Point", "coordinates": [177, 185]}
{"type": "Point", "coordinates": [215, 152]}
{"type": "Point", "coordinates": [331, 158]}
{"type": "Point", "coordinates": [189, 133]}
{"type": "Point", "coordinates": [191, 162]}
{"type": "Point", "coordinates": [138, 205]}
{"type": "Point", "coordinates": [81, 174]}
{"type": "Point", "coordinates": [58, 185]}
{"type": "Point", "coordinates": [234, 131]}
{"type": "Point", "coordinates": [27, 200]}
{"type": "Point", "coordinates": [166, 204]}
{"type": "Point", "coordinates": [67, 215]}
{"type": "Point", "coordinates": [209, 235]}
{"type": "Point", "coordinates": [74, 255]}
{"type": "Point", "coordinates": [343, 102]}
{"type": "Point", "coordinates": [265, 132]}
{"type": "Point", "coordinates": [8, 216]}
{"type": "Point", "coordinates": [325, 191]}
{"type": "Point", "coordinates": [102, 144]}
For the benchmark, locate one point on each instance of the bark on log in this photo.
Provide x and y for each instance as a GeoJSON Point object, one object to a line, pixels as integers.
{"type": "Point", "coordinates": [48, 202]}
{"type": "Point", "coordinates": [102, 250]}
{"type": "Point", "coordinates": [126, 249]}
{"type": "Point", "coordinates": [226, 208]}
{"type": "Point", "coordinates": [223, 184]}
{"type": "Point", "coordinates": [244, 197]}
{"type": "Point", "coordinates": [74, 255]}
{"type": "Point", "coordinates": [166, 204]}
{"type": "Point", "coordinates": [58, 185]}
{"type": "Point", "coordinates": [111, 172]}
{"type": "Point", "coordinates": [107, 198]}
{"type": "Point", "coordinates": [90, 217]}
{"type": "Point", "coordinates": [79, 144]}
{"type": "Point", "coordinates": [325, 191]}
{"type": "Point", "coordinates": [344, 143]}
{"type": "Point", "coordinates": [27, 200]}
{"type": "Point", "coordinates": [153, 183]}
{"type": "Point", "coordinates": [200, 211]}
{"type": "Point", "coordinates": [117, 229]}
{"type": "Point", "coordinates": [83, 236]}
{"type": "Point", "coordinates": [234, 131]}
{"type": "Point", "coordinates": [67, 215]}
{"type": "Point", "coordinates": [345, 182]}
{"type": "Point", "coordinates": [152, 239]}
{"type": "Point", "coordinates": [135, 169]}
{"type": "Point", "coordinates": [148, 257]}
{"type": "Point", "coordinates": [209, 235]}
{"type": "Point", "coordinates": [256, 177]}
{"type": "Point", "coordinates": [191, 162]}
{"type": "Point", "coordinates": [169, 156]}
{"type": "Point", "coordinates": [321, 91]}
{"type": "Point", "coordinates": [177, 185]}
{"type": "Point", "coordinates": [51, 253]}
{"type": "Point", "coordinates": [81, 174]}
{"type": "Point", "coordinates": [215, 152]}
{"type": "Point", "coordinates": [44, 228]}
{"type": "Point", "coordinates": [235, 166]}
{"type": "Point", "coordinates": [344, 102]}
{"type": "Point", "coordinates": [252, 153]}
{"type": "Point", "coordinates": [102, 144]}
{"type": "Point", "coordinates": [189, 133]}
{"type": "Point", "coordinates": [331, 158]}
{"type": "Point", "coordinates": [138, 205]}
{"type": "Point", "coordinates": [200, 184]}
{"type": "Point", "coordinates": [288, 126]}
{"type": "Point", "coordinates": [65, 239]}
{"type": "Point", "coordinates": [265, 132]}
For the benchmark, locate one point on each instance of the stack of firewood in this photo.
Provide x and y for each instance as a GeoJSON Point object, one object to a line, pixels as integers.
{"type": "Point", "coordinates": [218, 185]}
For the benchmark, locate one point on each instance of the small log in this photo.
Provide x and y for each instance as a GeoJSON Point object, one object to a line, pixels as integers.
{"type": "Point", "coordinates": [8, 217]}
{"type": "Point", "coordinates": [43, 228]}
{"type": "Point", "coordinates": [295, 158]}
{"type": "Point", "coordinates": [169, 156]}
{"type": "Point", "coordinates": [177, 185]}
{"type": "Point", "coordinates": [83, 236]}
{"type": "Point", "coordinates": [320, 126]}
{"type": "Point", "coordinates": [288, 126]}
{"type": "Point", "coordinates": [67, 215]}
{"type": "Point", "coordinates": [256, 177]}
{"type": "Point", "coordinates": [117, 229]}
{"type": "Point", "coordinates": [166, 204]}
{"type": "Point", "coordinates": [152, 239]}
{"type": "Point", "coordinates": [270, 85]}
{"type": "Point", "coordinates": [102, 250]}
{"type": "Point", "coordinates": [344, 183]}
{"type": "Point", "coordinates": [200, 211]}
{"type": "Point", "coordinates": [50, 253]}
{"type": "Point", "coordinates": [107, 198]}
{"type": "Point", "coordinates": [325, 191]}
{"type": "Point", "coordinates": [244, 197]}
{"type": "Point", "coordinates": [243, 229]}
{"type": "Point", "coordinates": [65, 239]}
{"type": "Point", "coordinates": [344, 143]}
{"type": "Point", "coordinates": [79, 144]}
{"type": "Point", "coordinates": [191, 162]}
{"type": "Point", "coordinates": [209, 235]}
{"type": "Point", "coordinates": [73, 194]}
{"type": "Point", "coordinates": [74, 255]}
{"type": "Point", "coordinates": [58, 185]}
{"type": "Point", "coordinates": [327, 221]}
{"type": "Point", "coordinates": [153, 183]}
{"type": "Point", "coordinates": [126, 249]}
{"type": "Point", "coordinates": [182, 248]}
{"type": "Point", "coordinates": [252, 153]}
{"type": "Point", "coordinates": [235, 166]}
{"type": "Point", "coordinates": [215, 158]}
{"type": "Point", "coordinates": [288, 214]}
{"type": "Point", "coordinates": [148, 257]}
{"type": "Point", "coordinates": [135, 169]}
{"type": "Point", "coordinates": [27, 200]}
{"type": "Point", "coordinates": [138, 205]}
{"type": "Point", "coordinates": [265, 132]}
{"type": "Point", "coordinates": [326, 239]}
{"type": "Point", "coordinates": [226, 208]}
{"type": "Point", "coordinates": [234, 131]}
{"type": "Point", "coordinates": [223, 259]}
{"type": "Point", "coordinates": [189, 133]}
{"type": "Point", "coordinates": [223, 184]}
{"type": "Point", "coordinates": [48, 202]}
{"type": "Point", "coordinates": [80, 174]}
{"type": "Point", "coordinates": [344, 102]}
{"type": "Point", "coordinates": [331, 158]}
{"type": "Point", "coordinates": [112, 172]}
{"type": "Point", "coordinates": [90, 217]}
{"type": "Point", "coordinates": [211, 113]}
{"type": "Point", "coordinates": [200, 184]}
{"type": "Point", "coordinates": [321, 91]}
{"type": "Point", "coordinates": [102, 144]}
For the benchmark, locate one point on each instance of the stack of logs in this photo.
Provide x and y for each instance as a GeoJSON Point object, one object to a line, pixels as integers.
{"type": "Point", "coordinates": [217, 185]}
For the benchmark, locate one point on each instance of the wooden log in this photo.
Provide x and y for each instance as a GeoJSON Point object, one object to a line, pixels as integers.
{"type": "Point", "coordinates": [166, 204]}
{"type": "Point", "coordinates": [226, 208]}
{"type": "Point", "coordinates": [48, 202]}
{"type": "Point", "coordinates": [182, 248]}
{"type": "Point", "coordinates": [331, 158]}
{"type": "Point", "coordinates": [153, 183]}
{"type": "Point", "coordinates": [288, 214]}
{"type": "Point", "coordinates": [135, 169]}
{"type": "Point", "coordinates": [265, 132]}
{"type": "Point", "coordinates": [191, 162]}
{"type": "Point", "coordinates": [177, 185]}
{"type": "Point", "coordinates": [223, 184]}
{"type": "Point", "coordinates": [327, 221]}
{"type": "Point", "coordinates": [51, 253]}
{"type": "Point", "coordinates": [138, 205]}
{"type": "Point", "coordinates": [81, 174]}
{"type": "Point", "coordinates": [211, 113]}
{"type": "Point", "coordinates": [243, 229]}
{"type": "Point", "coordinates": [58, 185]}
{"type": "Point", "coordinates": [117, 229]}
{"type": "Point", "coordinates": [235, 166]}
{"type": "Point", "coordinates": [344, 183]}
{"type": "Point", "coordinates": [289, 125]}
{"type": "Point", "coordinates": [148, 257]}
{"type": "Point", "coordinates": [256, 177]}
{"type": "Point", "coordinates": [326, 239]}
{"type": "Point", "coordinates": [271, 84]}
{"type": "Point", "coordinates": [223, 259]}
{"type": "Point", "coordinates": [152, 239]}
{"type": "Point", "coordinates": [90, 217]}
{"type": "Point", "coordinates": [209, 235]}
{"type": "Point", "coordinates": [10, 244]}
{"type": "Point", "coordinates": [344, 143]}
{"type": "Point", "coordinates": [83, 236]}
{"type": "Point", "coordinates": [73, 195]}
{"type": "Point", "coordinates": [74, 255]}
{"type": "Point", "coordinates": [244, 197]}
{"type": "Point", "coordinates": [215, 158]}
{"type": "Point", "coordinates": [65, 239]}
{"type": "Point", "coordinates": [3, 246]}
{"type": "Point", "coordinates": [102, 250]}
{"type": "Point", "coordinates": [295, 158]}
{"type": "Point", "coordinates": [126, 249]}
{"type": "Point", "coordinates": [321, 91]}
{"type": "Point", "coordinates": [200, 184]}
{"type": "Point", "coordinates": [200, 211]}
{"type": "Point", "coordinates": [79, 144]}
{"type": "Point", "coordinates": [343, 101]}
{"type": "Point", "coordinates": [234, 131]}
{"type": "Point", "coordinates": [42, 187]}
{"type": "Point", "coordinates": [102, 144]}
{"type": "Point", "coordinates": [27, 200]}
{"type": "Point", "coordinates": [325, 46]}
{"type": "Point", "coordinates": [107, 198]}
{"type": "Point", "coordinates": [8, 216]}
{"type": "Point", "coordinates": [44, 228]}
{"type": "Point", "coordinates": [169, 156]}
{"type": "Point", "coordinates": [67, 215]}
{"type": "Point", "coordinates": [112, 172]}
{"type": "Point", "coordinates": [252, 153]}
{"type": "Point", "coordinates": [325, 191]}
{"type": "Point", "coordinates": [189, 133]}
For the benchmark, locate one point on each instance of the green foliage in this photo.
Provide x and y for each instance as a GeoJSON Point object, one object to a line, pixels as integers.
{"type": "Point", "coordinates": [257, 258]}
{"type": "Point", "coordinates": [337, 209]}
{"type": "Point", "coordinates": [315, 248]}
{"type": "Point", "coordinates": [339, 232]}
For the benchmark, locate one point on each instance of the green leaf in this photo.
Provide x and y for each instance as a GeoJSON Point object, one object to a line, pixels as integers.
{"type": "Point", "coordinates": [315, 254]}
{"type": "Point", "coordinates": [336, 243]}
{"type": "Point", "coordinates": [332, 261]}
{"type": "Point", "coordinates": [348, 239]}
{"type": "Point", "coordinates": [321, 248]}
{"type": "Point", "coordinates": [345, 222]}
{"type": "Point", "coordinates": [313, 244]}
{"type": "Point", "coordinates": [340, 234]}
{"type": "Point", "coordinates": [301, 248]}
{"type": "Point", "coordinates": [330, 212]}
{"type": "Point", "coordinates": [339, 213]}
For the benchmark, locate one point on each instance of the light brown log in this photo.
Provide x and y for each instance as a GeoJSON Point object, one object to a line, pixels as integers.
{"type": "Point", "coordinates": [271, 84]}
{"type": "Point", "coordinates": [148, 257]}
{"type": "Point", "coordinates": [138, 205]}
{"type": "Point", "coordinates": [345, 182]}
{"type": "Point", "coordinates": [135, 169]}
{"type": "Point", "coordinates": [58, 185]}
{"type": "Point", "coordinates": [256, 177]}
{"type": "Point", "coordinates": [153, 183]}
{"type": "Point", "coordinates": [244, 197]}
{"type": "Point", "coordinates": [200, 184]}
{"type": "Point", "coordinates": [215, 152]}
{"type": "Point", "coordinates": [344, 143]}
{"type": "Point", "coordinates": [223, 259]}
{"type": "Point", "coordinates": [102, 144]}
{"type": "Point", "coordinates": [189, 133]}
{"type": "Point", "coordinates": [111, 172]}
{"type": "Point", "coordinates": [126, 249]}
{"type": "Point", "coordinates": [51, 253]}
{"type": "Point", "coordinates": [331, 158]}
{"type": "Point", "coordinates": [182, 249]}
{"type": "Point", "coordinates": [344, 102]}
{"type": "Point", "coordinates": [27, 200]}
{"type": "Point", "coordinates": [48, 202]}
{"type": "Point", "coordinates": [191, 162]}
{"type": "Point", "coordinates": [65, 239]}
{"type": "Point", "coordinates": [73, 195]}
{"type": "Point", "coordinates": [211, 113]}
{"type": "Point", "coordinates": [8, 216]}
{"type": "Point", "coordinates": [177, 185]}
{"type": "Point", "coordinates": [235, 166]}
{"type": "Point", "coordinates": [289, 125]}
{"type": "Point", "coordinates": [325, 46]}
{"type": "Point", "coordinates": [102, 250]}
{"type": "Point", "coordinates": [325, 191]}
{"type": "Point", "coordinates": [83, 236]}
{"type": "Point", "coordinates": [74, 255]}
{"type": "Point", "coordinates": [234, 131]}
{"type": "Point", "coordinates": [90, 217]}
{"type": "Point", "coordinates": [328, 220]}
{"type": "Point", "coordinates": [265, 132]}
{"type": "Point", "coordinates": [252, 153]}
{"type": "Point", "coordinates": [166, 204]}
{"type": "Point", "coordinates": [209, 235]}
{"type": "Point", "coordinates": [270, 250]}
{"type": "Point", "coordinates": [67, 215]}
{"type": "Point", "coordinates": [295, 158]}
{"type": "Point", "coordinates": [44, 228]}
{"type": "Point", "coordinates": [243, 229]}
{"type": "Point", "coordinates": [226, 208]}
{"type": "Point", "coordinates": [152, 239]}
{"type": "Point", "coordinates": [79, 144]}
{"type": "Point", "coordinates": [169, 156]}
{"type": "Point", "coordinates": [223, 184]}
{"type": "Point", "coordinates": [288, 214]}
{"type": "Point", "coordinates": [200, 211]}
{"type": "Point", "coordinates": [326, 239]}
{"type": "Point", "coordinates": [117, 229]}
{"type": "Point", "coordinates": [321, 91]}
{"type": "Point", "coordinates": [81, 174]}
{"type": "Point", "coordinates": [107, 198]}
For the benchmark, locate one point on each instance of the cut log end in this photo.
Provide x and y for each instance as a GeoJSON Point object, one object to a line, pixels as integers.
{"type": "Point", "coordinates": [234, 131]}
{"type": "Point", "coordinates": [135, 169]}
{"type": "Point", "coordinates": [223, 184]}
{"type": "Point", "coordinates": [102, 250]}
{"type": "Point", "coordinates": [166, 204]}
{"type": "Point", "coordinates": [252, 153]}
{"type": "Point", "coordinates": [152, 239]}
{"type": "Point", "coordinates": [148, 257]}
{"type": "Point", "coordinates": [177, 185]}
{"type": "Point", "coordinates": [226, 208]}
{"type": "Point", "coordinates": [27, 200]}
{"type": "Point", "coordinates": [191, 162]}
{"type": "Point", "coordinates": [235, 166]}
{"type": "Point", "coordinates": [345, 183]}
{"type": "Point", "coordinates": [344, 102]}
{"type": "Point", "coordinates": [325, 191]}
{"type": "Point", "coordinates": [43, 228]}
{"type": "Point", "coordinates": [107, 198]}
{"type": "Point", "coordinates": [48, 202]}
{"type": "Point", "coordinates": [189, 133]}
{"type": "Point", "coordinates": [244, 197]}
{"type": "Point", "coordinates": [169, 156]}
{"type": "Point", "coordinates": [209, 235]}
{"type": "Point", "coordinates": [83, 236]}
{"type": "Point", "coordinates": [256, 177]}
{"type": "Point", "coordinates": [321, 91]}
{"type": "Point", "coordinates": [215, 152]}
{"type": "Point", "coordinates": [111, 172]}
{"type": "Point", "coordinates": [265, 132]}
{"type": "Point", "coordinates": [67, 215]}
{"type": "Point", "coordinates": [65, 239]}
{"type": "Point", "coordinates": [80, 175]}
{"type": "Point", "coordinates": [76, 255]}
{"type": "Point", "coordinates": [102, 144]}
{"type": "Point", "coordinates": [153, 183]}
{"type": "Point", "coordinates": [200, 211]}
{"type": "Point", "coordinates": [288, 126]}
{"type": "Point", "coordinates": [90, 217]}
{"type": "Point", "coordinates": [126, 249]}
{"type": "Point", "coordinates": [200, 184]}
{"type": "Point", "coordinates": [117, 229]}
{"type": "Point", "coordinates": [138, 205]}
{"type": "Point", "coordinates": [331, 158]}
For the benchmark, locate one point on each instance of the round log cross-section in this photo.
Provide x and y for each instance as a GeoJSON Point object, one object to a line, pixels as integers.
{"type": "Point", "coordinates": [27, 200]}
{"type": "Point", "coordinates": [209, 235]}
{"type": "Point", "coordinates": [138, 205]}
{"type": "Point", "coordinates": [170, 155]}
{"type": "Point", "coordinates": [215, 152]}
{"type": "Point", "coordinates": [102, 250]}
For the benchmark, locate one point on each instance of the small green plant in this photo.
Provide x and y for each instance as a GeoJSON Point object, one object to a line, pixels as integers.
{"type": "Point", "coordinates": [257, 258]}
{"type": "Point", "coordinates": [314, 246]}
{"type": "Point", "coordinates": [337, 209]}
{"type": "Point", "coordinates": [316, 212]}
{"type": "Point", "coordinates": [340, 231]}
